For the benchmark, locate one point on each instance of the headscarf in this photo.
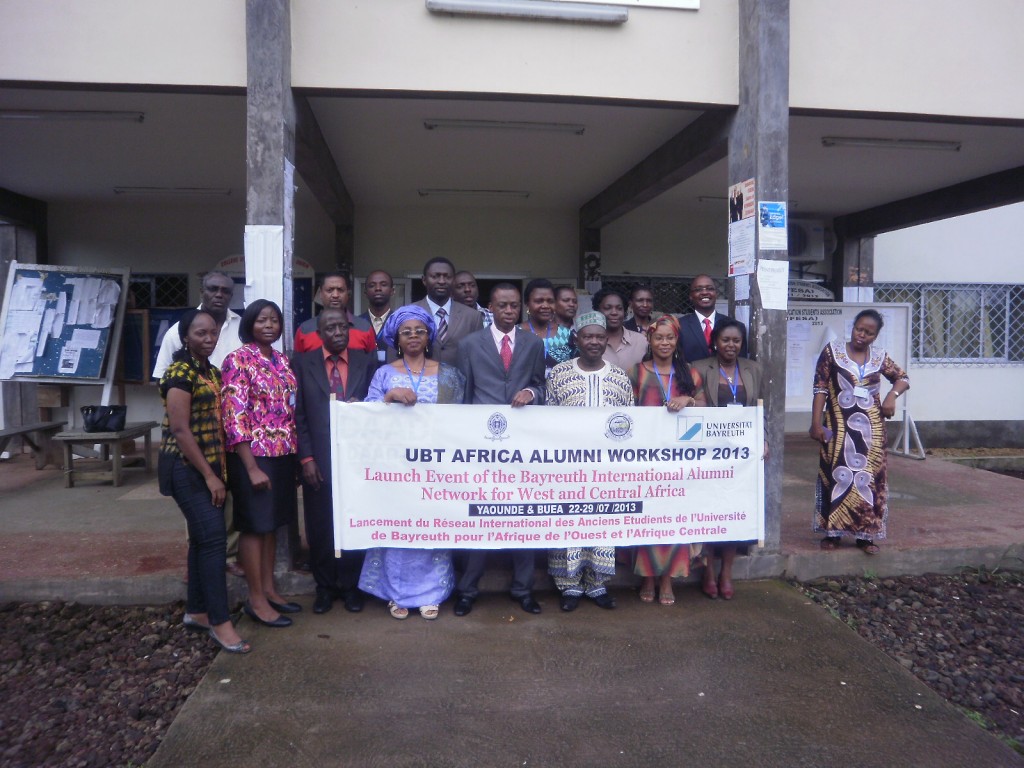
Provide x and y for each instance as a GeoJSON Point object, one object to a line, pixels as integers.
{"type": "Point", "coordinates": [670, 320]}
{"type": "Point", "coordinates": [589, 318]}
{"type": "Point", "coordinates": [403, 315]}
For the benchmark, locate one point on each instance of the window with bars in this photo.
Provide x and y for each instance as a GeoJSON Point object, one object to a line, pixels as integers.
{"type": "Point", "coordinates": [158, 290]}
{"type": "Point", "coordinates": [962, 323]}
{"type": "Point", "coordinates": [671, 294]}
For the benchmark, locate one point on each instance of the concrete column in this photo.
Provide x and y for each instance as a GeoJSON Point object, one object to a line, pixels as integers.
{"type": "Point", "coordinates": [853, 269]}
{"type": "Point", "coordinates": [270, 142]}
{"type": "Point", "coordinates": [18, 402]}
{"type": "Point", "coordinates": [590, 243]}
{"type": "Point", "coordinates": [759, 150]}
{"type": "Point", "coordinates": [270, 172]}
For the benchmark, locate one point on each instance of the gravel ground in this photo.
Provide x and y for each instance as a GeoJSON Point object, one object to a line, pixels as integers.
{"type": "Point", "coordinates": [84, 685]}
{"type": "Point", "coordinates": [961, 635]}
{"type": "Point", "coordinates": [99, 685]}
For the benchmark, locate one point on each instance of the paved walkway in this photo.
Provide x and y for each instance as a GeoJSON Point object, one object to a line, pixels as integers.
{"type": "Point", "coordinates": [97, 543]}
{"type": "Point", "coordinates": [768, 679]}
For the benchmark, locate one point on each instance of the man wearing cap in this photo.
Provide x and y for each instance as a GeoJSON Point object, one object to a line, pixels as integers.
{"type": "Point", "coordinates": [586, 381]}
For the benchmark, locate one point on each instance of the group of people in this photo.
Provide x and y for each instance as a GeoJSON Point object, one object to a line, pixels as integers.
{"type": "Point", "coordinates": [250, 421]}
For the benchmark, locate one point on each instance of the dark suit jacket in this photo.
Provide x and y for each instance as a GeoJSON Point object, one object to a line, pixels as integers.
{"type": "Point", "coordinates": [487, 381]}
{"type": "Point", "coordinates": [312, 422]}
{"type": "Point", "coordinates": [692, 337]}
{"type": "Point", "coordinates": [382, 346]}
{"type": "Point", "coordinates": [750, 375]}
{"type": "Point", "coordinates": [461, 322]}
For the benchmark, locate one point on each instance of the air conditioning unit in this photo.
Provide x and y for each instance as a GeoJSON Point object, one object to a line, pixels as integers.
{"type": "Point", "coordinates": [810, 240]}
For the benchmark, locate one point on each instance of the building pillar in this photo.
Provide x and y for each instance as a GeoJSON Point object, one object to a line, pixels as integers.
{"type": "Point", "coordinates": [270, 157]}
{"type": "Point", "coordinates": [759, 150]}
{"type": "Point", "coordinates": [853, 269]}
{"type": "Point", "coordinates": [270, 179]}
{"type": "Point", "coordinates": [19, 403]}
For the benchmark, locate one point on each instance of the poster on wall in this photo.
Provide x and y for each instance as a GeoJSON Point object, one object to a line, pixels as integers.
{"type": "Point", "coordinates": [742, 242]}
{"type": "Point", "coordinates": [772, 226]}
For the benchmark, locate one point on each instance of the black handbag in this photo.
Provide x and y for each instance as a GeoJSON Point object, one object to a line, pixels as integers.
{"type": "Point", "coordinates": [104, 418]}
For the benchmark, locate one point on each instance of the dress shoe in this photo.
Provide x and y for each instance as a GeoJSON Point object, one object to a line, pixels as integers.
{"type": "Point", "coordinates": [323, 602]}
{"type": "Point", "coordinates": [235, 569]}
{"type": "Point", "coordinates": [570, 603]}
{"type": "Point", "coordinates": [280, 621]}
{"type": "Point", "coordinates": [354, 600]}
{"type": "Point", "coordinates": [604, 601]}
{"type": "Point", "coordinates": [527, 603]}
{"type": "Point", "coordinates": [285, 607]}
{"type": "Point", "coordinates": [463, 605]}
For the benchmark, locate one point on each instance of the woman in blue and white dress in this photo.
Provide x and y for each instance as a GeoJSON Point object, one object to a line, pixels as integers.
{"type": "Point", "coordinates": [411, 578]}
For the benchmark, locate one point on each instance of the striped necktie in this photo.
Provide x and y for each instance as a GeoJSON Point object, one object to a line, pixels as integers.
{"type": "Point", "coordinates": [442, 326]}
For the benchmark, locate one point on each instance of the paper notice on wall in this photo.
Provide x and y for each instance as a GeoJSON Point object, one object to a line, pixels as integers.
{"type": "Point", "coordinates": [773, 283]}
{"type": "Point", "coordinates": [741, 247]}
{"type": "Point", "coordinates": [85, 339]}
{"type": "Point", "coordinates": [798, 337]}
{"type": "Point", "coordinates": [106, 304]}
{"type": "Point", "coordinates": [772, 223]}
{"type": "Point", "coordinates": [44, 334]}
{"type": "Point", "coordinates": [72, 318]}
{"type": "Point", "coordinates": [69, 357]}
{"type": "Point", "coordinates": [57, 327]}
{"type": "Point", "coordinates": [25, 292]}
{"type": "Point", "coordinates": [741, 288]}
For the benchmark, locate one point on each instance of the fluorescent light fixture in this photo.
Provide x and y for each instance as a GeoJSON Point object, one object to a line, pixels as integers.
{"type": "Point", "coordinates": [95, 116]}
{"type": "Point", "coordinates": [879, 143]}
{"type": "Point", "coordinates": [532, 9]}
{"type": "Point", "coordinates": [493, 193]}
{"type": "Point", "coordinates": [173, 191]}
{"type": "Point", "coordinates": [433, 124]}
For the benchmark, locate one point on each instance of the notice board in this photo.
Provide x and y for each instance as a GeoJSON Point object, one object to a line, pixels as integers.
{"type": "Point", "coordinates": [813, 324]}
{"type": "Point", "coordinates": [61, 324]}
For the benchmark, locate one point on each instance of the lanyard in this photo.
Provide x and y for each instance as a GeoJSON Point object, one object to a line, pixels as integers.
{"type": "Point", "coordinates": [734, 386]}
{"type": "Point", "coordinates": [665, 393]}
{"type": "Point", "coordinates": [419, 381]}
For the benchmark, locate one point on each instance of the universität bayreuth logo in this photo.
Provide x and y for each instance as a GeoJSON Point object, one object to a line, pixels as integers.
{"type": "Point", "coordinates": [620, 426]}
{"type": "Point", "coordinates": [497, 425]}
{"type": "Point", "coordinates": [690, 429]}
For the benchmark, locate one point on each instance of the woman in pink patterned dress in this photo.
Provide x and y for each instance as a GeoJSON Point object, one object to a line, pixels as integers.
{"type": "Point", "coordinates": [259, 423]}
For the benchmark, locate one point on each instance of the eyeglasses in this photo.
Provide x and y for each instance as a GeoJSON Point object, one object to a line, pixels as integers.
{"type": "Point", "coordinates": [408, 333]}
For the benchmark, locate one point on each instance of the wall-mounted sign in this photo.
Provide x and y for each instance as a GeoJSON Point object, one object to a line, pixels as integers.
{"type": "Point", "coordinates": [685, 5]}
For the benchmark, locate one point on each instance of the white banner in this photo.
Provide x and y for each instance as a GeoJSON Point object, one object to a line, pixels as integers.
{"type": "Point", "coordinates": [493, 477]}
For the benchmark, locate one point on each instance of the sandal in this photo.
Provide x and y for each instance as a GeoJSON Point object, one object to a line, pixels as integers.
{"type": "Point", "coordinates": [429, 612]}
{"type": "Point", "coordinates": [667, 598]}
{"type": "Point", "coordinates": [397, 611]}
{"type": "Point", "coordinates": [709, 587]}
{"type": "Point", "coordinates": [647, 593]}
{"type": "Point", "coordinates": [829, 543]}
{"type": "Point", "coordinates": [869, 547]}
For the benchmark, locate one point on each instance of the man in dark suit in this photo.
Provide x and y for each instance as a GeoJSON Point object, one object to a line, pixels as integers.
{"type": "Point", "coordinates": [346, 373]}
{"type": "Point", "coordinates": [503, 365]}
{"type": "Point", "coordinates": [697, 327]}
{"type": "Point", "coordinates": [454, 320]}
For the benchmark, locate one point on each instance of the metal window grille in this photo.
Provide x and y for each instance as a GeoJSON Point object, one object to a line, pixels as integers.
{"type": "Point", "coordinates": [159, 290]}
{"type": "Point", "coordinates": [671, 294]}
{"type": "Point", "coordinates": [962, 323]}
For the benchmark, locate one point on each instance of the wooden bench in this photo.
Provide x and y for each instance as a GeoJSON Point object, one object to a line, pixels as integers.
{"type": "Point", "coordinates": [42, 431]}
{"type": "Point", "coordinates": [105, 440]}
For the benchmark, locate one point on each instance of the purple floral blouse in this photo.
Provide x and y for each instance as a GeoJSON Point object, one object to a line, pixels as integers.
{"type": "Point", "coordinates": [259, 402]}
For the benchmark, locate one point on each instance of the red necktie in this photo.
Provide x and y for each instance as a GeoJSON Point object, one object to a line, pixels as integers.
{"type": "Point", "coordinates": [337, 386]}
{"type": "Point", "coordinates": [506, 352]}
{"type": "Point", "coordinates": [707, 333]}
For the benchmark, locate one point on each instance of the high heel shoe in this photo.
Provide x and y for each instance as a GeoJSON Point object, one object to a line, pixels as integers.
{"type": "Point", "coordinates": [191, 624]}
{"type": "Point", "coordinates": [280, 621]}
